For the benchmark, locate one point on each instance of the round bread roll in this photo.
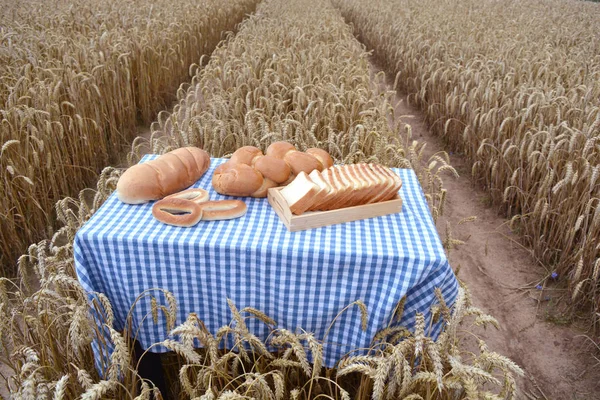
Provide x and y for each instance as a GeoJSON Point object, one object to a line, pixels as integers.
{"type": "Point", "coordinates": [299, 162]}
{"type": "Point", "coordinates": [177, 212]}
{"type": "Point", "coordinates": [245, 155]}
{"type": "Point", "coordinates": [165, 175]}
{"type": "Point", "coordinates": [273, 168]}
{"type": "Point", "coordinates": [236, 180]}
{"type": "Point", "coordinates": [279, 149]}
{"type": "Point", "coordinates": [279, 166]}
{"type": "Point", "coordinates": [322, 156]}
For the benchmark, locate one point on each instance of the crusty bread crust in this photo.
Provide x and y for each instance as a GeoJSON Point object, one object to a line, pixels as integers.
{"type": "Point", "coordinates": [302, 162]}
{"type": "Point", "coordinates": [321, 155]}
{"type": "Point", "coordinates": [273, 168]}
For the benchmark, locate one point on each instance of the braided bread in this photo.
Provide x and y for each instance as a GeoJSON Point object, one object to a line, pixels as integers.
{"type": "Point", "coordinates": [249, 172]}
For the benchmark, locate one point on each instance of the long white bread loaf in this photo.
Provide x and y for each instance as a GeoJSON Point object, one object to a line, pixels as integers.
{"type": "Point", "coordinates": [342, 186]}
{"type": "Point", "coordinates": [165, 175]}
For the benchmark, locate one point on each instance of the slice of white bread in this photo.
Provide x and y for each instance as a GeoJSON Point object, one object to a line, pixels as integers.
{"type": "Point", "coordinates": [368, 186]}
{"type": "Point", "coordinates": [397, 182]}
{"type": "Point", "coordinates": [327, 176]}
{"type": "Point", "coordinates": [388, 183]}
{"type": "Point", "coordinates": [300, 193]}
{"type": "Point", "coordinates": [346, 191]}
{"type": "Point", "coordinates": [378, 182]}
{"type": "Point", "coordinates": [324, 188]}
{"type": "Point", "coordinates": [392, 186]}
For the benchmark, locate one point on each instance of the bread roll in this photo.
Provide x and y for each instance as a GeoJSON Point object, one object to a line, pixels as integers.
{"type": "Point", "coordinates": [279, 149]}
{"type": "Point", "coordinates": [245, 155]}
{"type": "Point", "coordinates": [236, 180]}
{"type": "Point", "coordinates": [165, 175]}
{"type": "Point", "coordinates": [273, 168]}
{"type": "Point", "coordinates": [322, 156]}
{"type": "Point", "coordinates": [302, 162]}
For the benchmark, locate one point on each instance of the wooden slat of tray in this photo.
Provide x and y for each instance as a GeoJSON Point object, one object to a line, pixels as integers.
{"type": "Point", "coordinates": [317, 219]}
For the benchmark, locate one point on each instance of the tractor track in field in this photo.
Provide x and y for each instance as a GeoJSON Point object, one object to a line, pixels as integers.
{"type": "Point", "coordinates": [502, 276]}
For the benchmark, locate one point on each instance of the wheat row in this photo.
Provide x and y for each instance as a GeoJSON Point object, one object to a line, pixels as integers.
{"type": "Point", "coordinates": [515, 87]}
{"type": "Point", "coordinates": [75, 80]}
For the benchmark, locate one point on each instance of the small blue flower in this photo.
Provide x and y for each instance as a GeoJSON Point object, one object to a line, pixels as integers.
{"type": "Point", "coordinates": [554, 275]}
{"type": "Point", "coordinates": [539, 287]}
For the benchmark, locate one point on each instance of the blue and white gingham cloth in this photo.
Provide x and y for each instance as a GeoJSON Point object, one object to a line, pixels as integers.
{"type": "Point", "coordinates": [300, 279]}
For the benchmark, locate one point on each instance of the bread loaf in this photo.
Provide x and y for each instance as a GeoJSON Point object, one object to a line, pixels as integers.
{"type": "Point", "coordinates": [165, 175]}
{"type": "Point", "coordinates": [249, 172]}
{"type": "Point", "coordinates": [341, 186]}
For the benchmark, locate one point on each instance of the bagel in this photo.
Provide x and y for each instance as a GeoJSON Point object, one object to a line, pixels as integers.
{"type": "Point", "coordinates": [222, 209]}
{"type": "Point", "coordinates": [196, 195]}
{"type": "Point", "coordinates": [177, 212]}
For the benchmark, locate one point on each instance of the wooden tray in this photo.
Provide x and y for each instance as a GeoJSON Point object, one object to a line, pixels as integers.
{"type": "Point", "coordinates": [317, 219]}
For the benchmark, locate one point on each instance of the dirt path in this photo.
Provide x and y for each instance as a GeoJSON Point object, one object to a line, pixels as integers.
{"type": "Point", "coordinates": [502, 276]}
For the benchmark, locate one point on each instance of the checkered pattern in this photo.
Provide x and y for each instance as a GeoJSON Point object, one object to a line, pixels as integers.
{"type": "Point", "coordinates": [301, 279]}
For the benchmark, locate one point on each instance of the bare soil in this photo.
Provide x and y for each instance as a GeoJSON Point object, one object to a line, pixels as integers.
{"type": "Point", "coordinates": [502, 277]}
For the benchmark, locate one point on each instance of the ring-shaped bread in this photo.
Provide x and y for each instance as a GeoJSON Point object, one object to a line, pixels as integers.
{"type": "Point", "coordinates": [177, 212]}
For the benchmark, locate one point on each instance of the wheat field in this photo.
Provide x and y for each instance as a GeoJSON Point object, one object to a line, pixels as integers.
{"type": "Point", "coordinates": [294, 71]}
{"type": "Point", "coordinates": [75, 80]}
{"type": "Point", "coordinates": [515, 87]}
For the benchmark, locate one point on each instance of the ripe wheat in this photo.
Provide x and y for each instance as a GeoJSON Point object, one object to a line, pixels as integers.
{"type": "Point", "coordinates": [515, 86]}
{"type": "Point", "coordinates": [75, 79]}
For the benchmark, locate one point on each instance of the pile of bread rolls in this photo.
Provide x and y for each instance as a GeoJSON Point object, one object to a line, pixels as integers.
{"type": "Point", "coordinates": [340, 187]}
{"type": "Point", "coordinates": [249, 172]}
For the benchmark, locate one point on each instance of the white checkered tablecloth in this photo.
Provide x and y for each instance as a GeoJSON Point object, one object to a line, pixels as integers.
{"type": "Point", "coordinates": [300, 279]}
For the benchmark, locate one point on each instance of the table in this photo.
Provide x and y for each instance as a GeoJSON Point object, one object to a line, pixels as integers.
{"type": "Point", "coordinates": [300, 279]}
